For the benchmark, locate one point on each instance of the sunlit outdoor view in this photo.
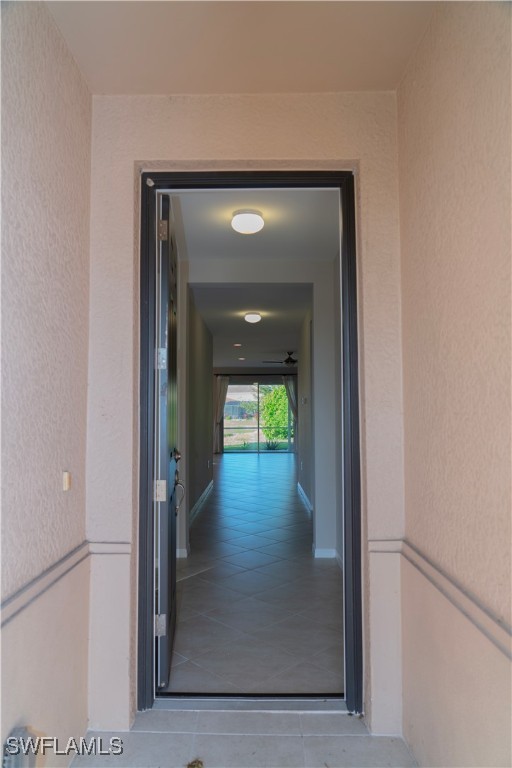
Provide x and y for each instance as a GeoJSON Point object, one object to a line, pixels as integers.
{"type": "Point", "coordinates": [257, 417]}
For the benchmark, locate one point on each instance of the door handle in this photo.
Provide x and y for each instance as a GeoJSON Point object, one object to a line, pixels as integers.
{"type": "Point", "coordinates": [176, 455]}
{"type": "Point", "coordinates": [180, 502]}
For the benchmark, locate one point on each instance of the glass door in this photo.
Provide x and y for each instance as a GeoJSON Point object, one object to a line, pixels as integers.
{"type": "Point", "coordinates": [258, 419]}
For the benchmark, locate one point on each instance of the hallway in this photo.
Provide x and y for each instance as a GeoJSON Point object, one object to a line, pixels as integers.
{"type": "Point", "coordinates": [257, 613]}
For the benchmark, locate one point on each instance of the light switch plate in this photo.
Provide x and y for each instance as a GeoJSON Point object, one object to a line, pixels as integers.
{"type": "Point", "coordinates": [66, 481]}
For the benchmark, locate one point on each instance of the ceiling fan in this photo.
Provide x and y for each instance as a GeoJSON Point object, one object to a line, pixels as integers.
{"type": "Point", "coordinates": [287, 361]}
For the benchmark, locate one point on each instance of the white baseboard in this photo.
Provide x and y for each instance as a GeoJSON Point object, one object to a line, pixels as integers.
{"type": "Point", "coordinates": [199, 503]}
{"type": "Point", "coordinates": [304, 497]}
{"type": "Point", "coordinates": [319, 552]}
{"type": "Point", "coordinates": [182, 552]}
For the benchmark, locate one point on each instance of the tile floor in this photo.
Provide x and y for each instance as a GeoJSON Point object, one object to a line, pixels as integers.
{"type": "Point", "coordinates": [257, 613]}
{"type": "Point", "coordinates": [162, 739]}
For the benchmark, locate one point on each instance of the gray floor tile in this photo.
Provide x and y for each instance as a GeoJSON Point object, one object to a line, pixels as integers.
{"type": "Point", "coordinates": [220, 548]}
{"type": "Point", "coordinates": [247, 664]}
{"type": "Point", "coordinates": [143, 750]}
{"type": "Point", "coordinates": [156, 720]}
{"type": "Point", "coordinates": [283, 549]}
{"type": "Point", "coordinates": [200, 633]}
{"type": "Point", "coordinates": [252, 541]}
{"type": "Point", "coordinates": [306, 677]}
{"type": "Point", "coordinates": [220, 570]}
{"type": "Point", "coordinates": [284, 596]}
{"type": "Point", "coordinates": [202, 599]}
{"type": "Point", "coordinates": [249, 722]}
{"type": "Point", "coordinates": [177, 659]}
{"type": "Point", "coordinates": [250, 528]}
{"type": "Point", "coordinates": [251, 559]}
{"type": "Point", "coordinates": [329, 723]}
{"type": "Point", "coordinates": [248, 615]}
{"type": "Point", "coordinates": [250, 582]}
{"type": "Point", "coordinates": [192, 679]}
{"type": "Point", "coordinates": [284, 570]}
{"type": "Point", "coordinates": [249, 751]}
{"type": "Point", "coordinates": [355, 751]}
{"type": "Point", "coordinates": [331, 658]}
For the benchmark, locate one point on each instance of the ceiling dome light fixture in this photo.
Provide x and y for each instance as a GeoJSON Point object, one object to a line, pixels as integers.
{"type": "Point", "coordinates": [247, 222]}
{"type": "Point", "coordinates": [252, 317]}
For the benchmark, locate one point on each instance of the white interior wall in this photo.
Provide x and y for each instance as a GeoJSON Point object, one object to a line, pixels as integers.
{"type": "Point", "coordinates": [46, 155]}
{"type": "Point", "coordinates": [306, 448]}
{"type": "Point", "coordinates": [199, 401]}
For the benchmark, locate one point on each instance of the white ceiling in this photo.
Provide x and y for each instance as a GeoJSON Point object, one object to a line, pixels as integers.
{"type": "Point", "coordinates": [300, 224]}
{"type": "Point", "coordinates": [240, 46]}
{"type": "Point", "coordinates": [283, 308]}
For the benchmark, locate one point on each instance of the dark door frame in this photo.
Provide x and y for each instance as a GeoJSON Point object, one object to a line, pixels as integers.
{"type": "Point", "coordinates": [344, 181]}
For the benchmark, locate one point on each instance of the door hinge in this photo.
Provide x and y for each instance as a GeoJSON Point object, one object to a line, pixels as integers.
{"type": "Point", "coordinates": [163, 230]}
{"type": "Point", "coordinates": [160, 624]}
{"type": "Point", "coordinates": [160, 490]}
{"type": "Point", "coordinates": [161, 358]}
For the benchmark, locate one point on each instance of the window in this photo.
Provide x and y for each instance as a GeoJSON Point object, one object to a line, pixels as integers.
{"type": "Point", "coordinates": [257, 418]}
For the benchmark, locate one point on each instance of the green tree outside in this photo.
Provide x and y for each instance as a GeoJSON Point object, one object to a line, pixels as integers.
{"type": "Point", "coordinates": [274, 413]}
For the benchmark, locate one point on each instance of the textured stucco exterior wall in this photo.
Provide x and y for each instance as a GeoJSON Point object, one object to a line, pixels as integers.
{"type": "Point", "coordinates": [455, 205]}
{"type": "Point", "coordinates": [452, 675]}
{"type": "Point", "coordinates": [326, 131]}
{"type": "Point", "coordinates": [44, 663]}
{"type": "Point", "coordinates": [454, 140]}
{"type": "Point", "coordinates": [46, 134]}
{"type": "Point", "coordinates": [46, 153]}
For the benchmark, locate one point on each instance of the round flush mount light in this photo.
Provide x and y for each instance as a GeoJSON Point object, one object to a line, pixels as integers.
{"type": "Point", "coordinates": [247, 222]}
{"type": "Point", "coordinates": [252, 317]}
{"type": "Point", "coordinates": [237, 345]}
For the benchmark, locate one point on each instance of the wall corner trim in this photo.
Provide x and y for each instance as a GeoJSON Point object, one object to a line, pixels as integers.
{"type": "Point", "coordinates": [31, 591]}
{"type": "Point", "coordinates": [393, 546]}
{"type": "Point", "coordinates": [496, 631]}
{"type": "Point", "coordinates": [110, 547]}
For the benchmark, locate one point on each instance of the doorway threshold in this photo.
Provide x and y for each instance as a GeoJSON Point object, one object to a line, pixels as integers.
{"type": "Point", "coordinates": [248, 704]}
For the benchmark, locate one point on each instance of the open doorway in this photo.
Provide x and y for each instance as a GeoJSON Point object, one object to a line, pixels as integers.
{"type": "Point", "coordinates": [326, 541]}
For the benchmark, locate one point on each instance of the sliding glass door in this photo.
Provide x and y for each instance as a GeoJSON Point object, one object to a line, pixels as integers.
{"type": "Point", "coordinates": [258, 419]}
